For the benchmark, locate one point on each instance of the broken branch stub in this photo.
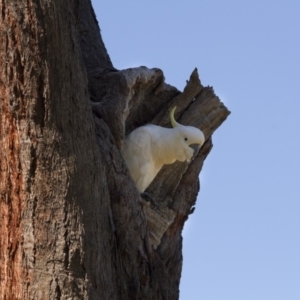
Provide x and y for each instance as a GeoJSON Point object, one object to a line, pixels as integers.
{"type": "Point", "coordinates": [138, 96]}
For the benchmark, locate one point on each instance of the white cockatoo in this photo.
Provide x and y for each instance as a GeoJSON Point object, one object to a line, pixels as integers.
{"type": "Point", "coordinates": [147, 148]}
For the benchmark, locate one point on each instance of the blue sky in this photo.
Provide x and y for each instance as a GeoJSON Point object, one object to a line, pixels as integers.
{"type": "Point", "coordinates": [242, 242]}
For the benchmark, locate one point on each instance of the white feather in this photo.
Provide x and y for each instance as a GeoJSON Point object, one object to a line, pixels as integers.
{"type": "Point", "coordinates": [147, 148]}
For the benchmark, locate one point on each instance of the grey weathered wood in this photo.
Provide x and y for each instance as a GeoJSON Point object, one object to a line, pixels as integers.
{"type": "Point", "coordinates": [73, 225]}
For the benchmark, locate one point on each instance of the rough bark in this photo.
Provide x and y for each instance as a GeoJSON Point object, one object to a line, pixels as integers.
{"type": "Point", "coordinates": [73, 225]}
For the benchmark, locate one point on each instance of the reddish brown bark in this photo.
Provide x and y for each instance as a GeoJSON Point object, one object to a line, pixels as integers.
{"type": "Point", "coordinates": [12, 178]}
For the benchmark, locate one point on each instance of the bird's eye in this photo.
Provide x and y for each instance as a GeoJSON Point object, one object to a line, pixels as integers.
{"type": "Point", "coordinates": [185, 139]}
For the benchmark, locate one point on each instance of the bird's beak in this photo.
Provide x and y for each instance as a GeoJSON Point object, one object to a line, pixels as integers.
{"type": "Point", "coordinates": [196, 149]}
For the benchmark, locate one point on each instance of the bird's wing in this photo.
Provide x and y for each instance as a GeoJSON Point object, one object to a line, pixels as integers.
{"type": "Point", "coordinates": [137, 153]}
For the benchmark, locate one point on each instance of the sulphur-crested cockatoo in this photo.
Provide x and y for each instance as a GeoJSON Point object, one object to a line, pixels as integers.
{"type": "Point", "coordinates": [147, 148]}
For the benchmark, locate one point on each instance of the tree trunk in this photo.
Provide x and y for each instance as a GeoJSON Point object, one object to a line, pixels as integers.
{"type": "Point", "coordinates": [73, 225]}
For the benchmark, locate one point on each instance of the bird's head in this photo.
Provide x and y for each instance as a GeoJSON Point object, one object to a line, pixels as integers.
{"type": "Point", "coordinates": [188, 135]}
